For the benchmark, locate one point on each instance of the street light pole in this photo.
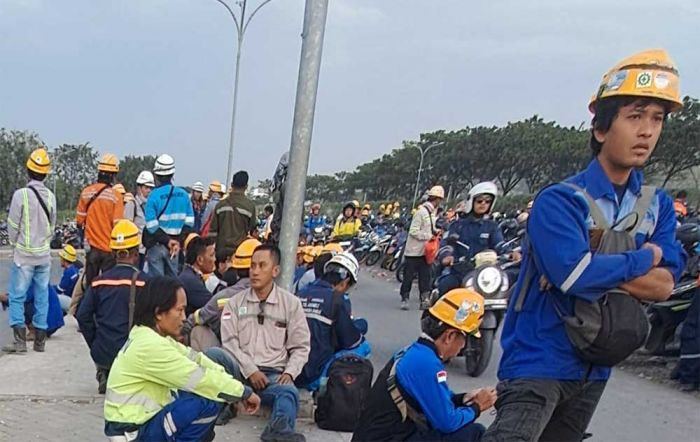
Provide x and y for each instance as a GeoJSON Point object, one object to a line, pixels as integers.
{"type": "Point", "coordinates": [420, 169]}
{"type": "Point", "coordinates": [241, 26]}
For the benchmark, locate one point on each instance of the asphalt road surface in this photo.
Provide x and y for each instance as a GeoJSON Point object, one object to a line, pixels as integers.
{"type": "Point", "coordinates": [632, 409]}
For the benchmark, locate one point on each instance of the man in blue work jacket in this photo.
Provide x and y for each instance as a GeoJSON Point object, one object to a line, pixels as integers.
{"type": "Point", "coordinates": [410, 400]}
{"type": "Point", "coordinates": [333, 332]}
{"type": "Point", "coordinates": [105, 312]}
{"type": "Point", "coordinates": [477, 230]}
{"type": "Point", "coordinates": [546, 392]}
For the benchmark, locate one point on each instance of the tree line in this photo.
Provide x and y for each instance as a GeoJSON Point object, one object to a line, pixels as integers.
{"type": "Point", "coordinates": [523, 155]}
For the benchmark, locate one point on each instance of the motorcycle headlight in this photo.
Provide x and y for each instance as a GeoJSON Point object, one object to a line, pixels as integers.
{"type": "Point", "coordinates": [318, 229]}
{"type": "Point", "coordinates": [489, 281]}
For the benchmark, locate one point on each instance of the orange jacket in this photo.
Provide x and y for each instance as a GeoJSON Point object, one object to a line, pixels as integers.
{"type": "Point", "coordinates": [99, 218]}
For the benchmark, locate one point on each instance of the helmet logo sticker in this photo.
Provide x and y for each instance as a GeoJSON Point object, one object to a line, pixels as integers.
{"type": "Point", "coordinates": [463, 312]}
{"type": "Point", "coordinates": [120, 238]}
{"type": "Point", "coordinates": [643, 80]}
{"type": "Point", "coordinates": [661, 80]}
{"type": "Point", "coordinates": [616, 81]}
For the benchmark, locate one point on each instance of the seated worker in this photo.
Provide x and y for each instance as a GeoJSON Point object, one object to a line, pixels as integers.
{"type": "Point", "coordinates": [316, 270]}
{"type": "Point", "coordinates": [54, 316]}
{"type": "Point", "coordinates": [199, 262]}
{"type": "Point", "coordinates": [265, 342]}
{"type": "Point", "coordinates": [224, 275]}
{"type": "Point", "coordinates": [305, 259]}
{"type": "Point", "coordinates": [333, 332]}
{"type": "Point", "coordinates": [476, 230]}
{"type": "Point", "coordinates": [410, 400]}
{"type": "Point", "coordinates": [106, 311]}
{"type": "Point", "coordinates": [347, 225]}
{"type": "Point", "coordinates": [140, 404]}
{"type": "Point", "coordinates": [71, 268]}
{"type": "Point", "coordinates": [202, 328]}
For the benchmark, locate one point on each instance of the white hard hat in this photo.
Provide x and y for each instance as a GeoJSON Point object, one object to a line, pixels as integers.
{"type": "Point", "coordinates": [485, 188]}
{"type": "Point", "coordinates": [198, 187]}
{"type": "Point", "coordinates": [165, 165]}
{"type": "Point", "coordinates": [145, 178]}
{"type": "Point", "coordinates": [437, 191]}
{"type": "Point", "coordinates": [345, 261]}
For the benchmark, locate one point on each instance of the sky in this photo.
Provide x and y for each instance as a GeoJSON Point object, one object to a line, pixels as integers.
{"type": "Point", "coordinates": [156, 76]}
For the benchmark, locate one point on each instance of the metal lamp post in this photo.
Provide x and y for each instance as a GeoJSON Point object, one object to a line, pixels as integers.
{"type": "Point", "coordinates": [420, 168]}
{"type": "Point", "coordinates": [241, 26]}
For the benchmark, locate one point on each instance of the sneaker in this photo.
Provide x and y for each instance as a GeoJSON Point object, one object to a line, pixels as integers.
{"type": "Point", "coordinates": [277, 431]}
{"type": "Point", "coordinates": [404, 305]}
{"type": "Point", "coordinates": [424, 305]}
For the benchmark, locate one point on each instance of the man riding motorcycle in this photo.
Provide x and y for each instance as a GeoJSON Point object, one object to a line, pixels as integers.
{"type": "Point", "coordinates": [477, 230]}
{"type": "Point", "coordinates": [313, 220]}
{"type": "Point", "coordinates": [347, 225]}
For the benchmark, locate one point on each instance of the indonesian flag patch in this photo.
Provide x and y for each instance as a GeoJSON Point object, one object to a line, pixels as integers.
{"type": "Point", "coordinates": [226, 315]}
{"type": "Point", "coordinates": [442, 376]}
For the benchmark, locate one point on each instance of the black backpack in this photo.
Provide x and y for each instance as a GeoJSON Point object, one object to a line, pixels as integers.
{"type": "Point", "coordinates": [607, 331]}
{"type": "Point", "coordinates": [349, 384]}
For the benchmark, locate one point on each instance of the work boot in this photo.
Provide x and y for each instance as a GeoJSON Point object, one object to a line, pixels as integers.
{"type": "Point", "coordinates": [424, 301]}
{"type": "Point", "coordinates": [278, 431]}
{"type": "Point", "coordinates": [101, 377]}
{"type": "Point", "coordinates": [39, 340]}
{"type": "Point", "coordinates": [19, 346]}
{"type": "Point", "coordinates": [404, 304]}
{"type": "Point", "coordinates": [226, 415]}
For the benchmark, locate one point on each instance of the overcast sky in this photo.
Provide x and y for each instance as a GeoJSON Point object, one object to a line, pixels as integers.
{"type": "Point", "coordinates": [156, 76]}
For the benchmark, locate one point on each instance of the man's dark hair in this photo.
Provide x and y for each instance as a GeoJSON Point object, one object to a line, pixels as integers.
{"type": "Point", "coordinates": [274, 252]}
{"type": "Point", "coordinates": [431, 326]}
{"type": "Point", "coordinates": [240, 180]}
{"type": "Point", "coordinates": [36, 176]}
{"type": "Point", "coordinates": [196, 247]}
{"type": "Point", "coordinates": [243, 273]}
{"type": "Point", "coordinates": [159, 295]}
{"type": "Point", "coordinates": [320, 263]}
{"type": "Point", "coordinates": [269, 209]}
{"type": "Point", "coordinates": [682, 194]}
{"type": "Point", "coordinates": [606, 111]}
{"type": "Point", "coordinates": [163, 179]}
{"type": "Point", "coordinates": [432, 199]}
{"type": "Point", "coordinates": [106, 177]}
{"type": "Point", "coordinates": [222, 256]}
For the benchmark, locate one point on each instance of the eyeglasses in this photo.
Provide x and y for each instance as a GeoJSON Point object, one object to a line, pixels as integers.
{"type": "Point", "coordinates": [483, 201]}
{"type": "Point", "coordinates": [261, 313]}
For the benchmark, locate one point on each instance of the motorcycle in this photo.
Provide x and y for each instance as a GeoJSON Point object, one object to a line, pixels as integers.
{"type": "Point", "coordinates": [665, 317]}
{"type": "Point", "coordinates": [378, 249]}
{"type": "Point", "coordinates": [4, 236]}
{"type": "Point", "coordinates": [320, 235]}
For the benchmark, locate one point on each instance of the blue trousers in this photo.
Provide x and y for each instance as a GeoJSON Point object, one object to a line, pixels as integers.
{"type": "Point", "coordinates": [160, 263]}
{"type": "Point", "coordinates": [187, 418]}
{"type": "Point", "coordinates": [21, 278]}
{"type": "Point", "coordinates": [283, 399]}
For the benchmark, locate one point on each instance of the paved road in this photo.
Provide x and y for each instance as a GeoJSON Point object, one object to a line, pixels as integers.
{"type": "Point", "coordinates": [632, 409]}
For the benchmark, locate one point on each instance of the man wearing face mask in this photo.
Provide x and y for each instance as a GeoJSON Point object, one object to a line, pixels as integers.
{"type": "Point", "coordinates": [476, 229]}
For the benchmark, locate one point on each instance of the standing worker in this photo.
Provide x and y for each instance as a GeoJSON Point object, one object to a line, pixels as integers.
{"type": "Point", "coordinates": [99, 207]}
{"type": "Point", "coordinates": [234, 216]}
{"type": "Point", "coordinates": [421, 231]}
{"type": "Point", "coordinates": [30, 225]}
{"type": "Point", "coordinates": [135, 208]}
{"type": "Point", "coordinates": [169, 217]}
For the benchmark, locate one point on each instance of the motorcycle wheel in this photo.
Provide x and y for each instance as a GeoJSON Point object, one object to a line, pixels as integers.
{"type": "Point", "coordinates": [373, 258]}
{"type": "Point", "coordinates": [394, 264]}
{"type": "Point", "coordinates": [399, 272]}
{"type": "Point", "coordinates": [477, 361]}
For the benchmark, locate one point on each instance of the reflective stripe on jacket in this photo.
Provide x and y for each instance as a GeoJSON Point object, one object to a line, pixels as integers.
{"type": "Point", "coordinates": [28, 228]}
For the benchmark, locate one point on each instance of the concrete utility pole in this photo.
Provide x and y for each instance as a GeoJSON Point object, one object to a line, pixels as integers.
{"type": "Point", "coordinates": [241, 26]}
{"type": "Point", "coordinates": [307, 87]}
{"type": "Point", "coordinates": [420, 169]}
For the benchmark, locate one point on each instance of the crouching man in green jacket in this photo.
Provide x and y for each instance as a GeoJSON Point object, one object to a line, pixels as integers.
{"type": "Point", "coordinates": [159, 389]}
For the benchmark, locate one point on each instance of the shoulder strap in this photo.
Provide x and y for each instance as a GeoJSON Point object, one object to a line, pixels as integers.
{"type": "Point", "coordinates": [94, 197]}
{"type": "Point", "coordinates": [165, 206]}
{"type": "Point", "coordinates": [132, 297]}
{"type": "Point", "coordinates": [597, 215]}
{"type": "Point", "coordinates": [529, 273]}
{"type": "Point", "coordinates": [406, 410]}
{"type": "Point", "coordinates": [41, 202]}
{"type": "Point", "coordinates": [642, 205]}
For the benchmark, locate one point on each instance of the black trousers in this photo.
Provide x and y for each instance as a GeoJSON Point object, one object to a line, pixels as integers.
{"type": "Point", "coordinates": [415, 265]}
{"type": "Point", "coordinates": [543, 410]}
{"type": "Point", "coordinates": [97, 262]}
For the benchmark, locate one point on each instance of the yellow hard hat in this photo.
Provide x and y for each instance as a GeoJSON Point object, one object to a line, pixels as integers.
{"type": "Point", "coordinates": [461, 308]}
{"type": "Point", "coordinates": [367, 207]}
{"type": "Point", "coordinates": [332, 247]}
{"type": "Point", "coordinates": [647, 74]}
{"type": "Point", "coordinates": [216, 186]}
{"type": "Point", "coordinates": [382, 207]}
{"type": "Point", "coordinates": [244, 253]}
{"type": "Point", "coordinates": [108, 163]}
{"type": "Point", "coordinates": [396, 204]}
{"type": "Point", "coordinates": [68, 253]}
{"type": "Point", "coordinates": [307, 253]}
{"type": "Point", "coordinates": [125, 235]}
{"type": "Point", "coordinates": [119, 187]}
{"type": "Point", "coordinates": [317, 250]}
{"type": "Point", "coordinates": [39, 161]}
{"type": "Point", "coordinates": [188, 239]}
{"type": "Point", "coordinates": [356, 204]}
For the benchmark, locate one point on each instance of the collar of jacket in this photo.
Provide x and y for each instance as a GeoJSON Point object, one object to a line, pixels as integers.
{"type": "Point", "coordinates": [428, 342]}
{"type": "Point", "coordinates": [195, 271]}
{"type": "Point", "coordinates": [429, 206]}
{"type": "Point", "coordinates": [598, 185]}
{"type": "Point", "coordinates": [321, 283]}
{"type": "Point", "coordinates": [272, 298]}
{"type": "Point", "coordinates": [36, 183]}
{"type": "Point", "coordinates": [123, 264]}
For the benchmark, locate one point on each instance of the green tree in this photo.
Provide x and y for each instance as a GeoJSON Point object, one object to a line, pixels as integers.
{"type": "Point", "coordinates": [131, 166]}
{"type": "Point", "coordinates": [15, 147]}
{"type": "Point", "coordinates": [75, 166]}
